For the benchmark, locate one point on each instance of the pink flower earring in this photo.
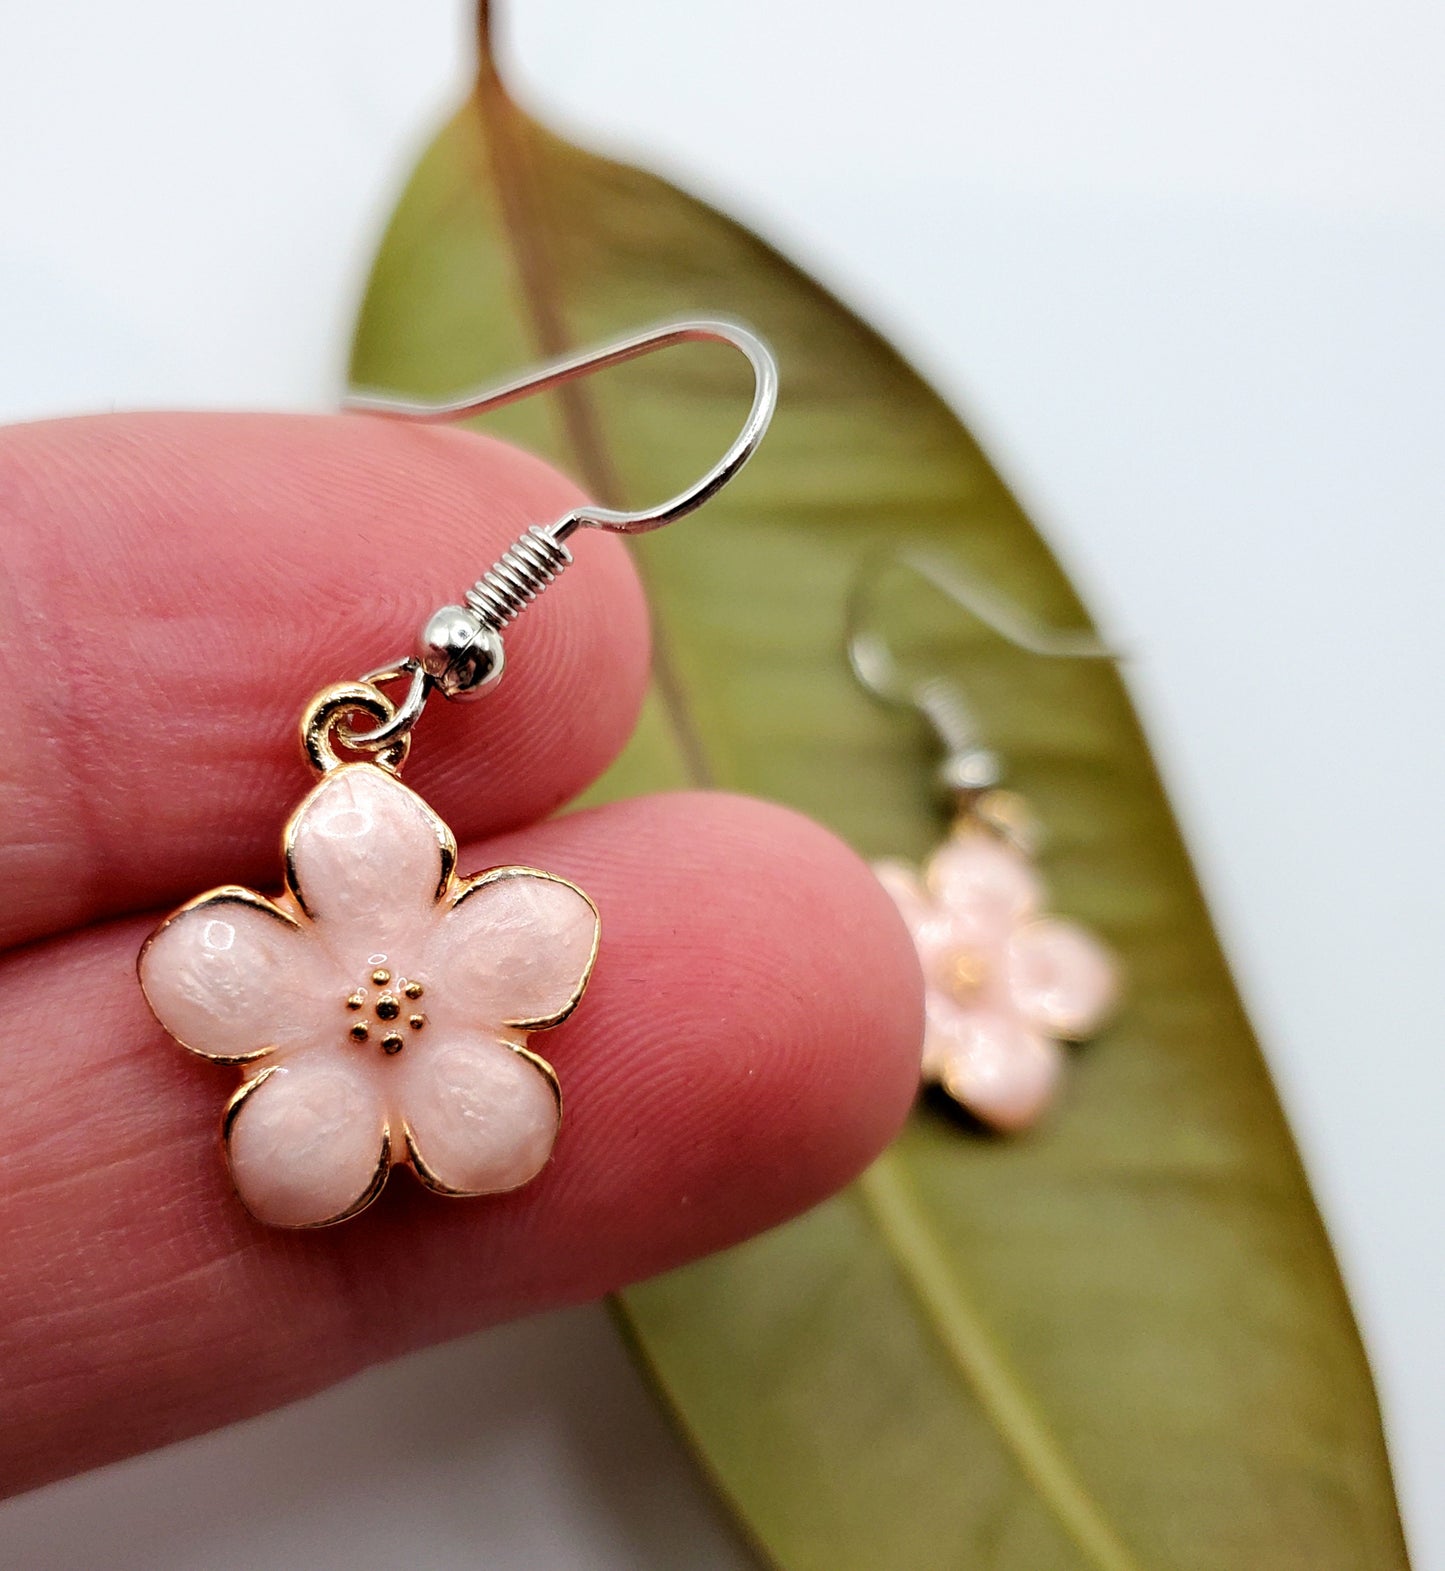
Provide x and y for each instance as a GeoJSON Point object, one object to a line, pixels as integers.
{"type": "Point", "coordinates": [379, 1007]}
{"type": "Point", "coordinates": [1005, 985]}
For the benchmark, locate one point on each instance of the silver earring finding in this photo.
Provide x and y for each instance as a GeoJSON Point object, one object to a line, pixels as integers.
{"type": "Point", "coordinates": [968, 764]}
{"type": "Point", "coordinates": [460, 650]}
{"type": "Point", "coordinates": [1005, 985]}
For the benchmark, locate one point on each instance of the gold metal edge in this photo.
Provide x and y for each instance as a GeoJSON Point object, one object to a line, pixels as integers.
{"type": "Point", "coordinates": [446, 840]}
{"type": "Point", "coordinates": [425, 1174]}
{"type": "Point", "coordinates": [326, 707]}
{"type": "Point", "coordinates": [367, 1195]}
{"type": "Point", "coordinates": [238, 1099]}
{"type": "Point", "coordinates": [468, 886]}
{"type": "Point", "coordinates": [222, 895]}
{"type": "Point", "coordinates": [418, 1163]}
{"type": "Point", "coordinates": [543, 1068]}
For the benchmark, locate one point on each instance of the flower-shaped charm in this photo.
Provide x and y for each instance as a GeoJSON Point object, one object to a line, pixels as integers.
{"type": "Point", "coordinates": [1004, 986]}
{"type": "Point", "coordinates": [380, 1006]}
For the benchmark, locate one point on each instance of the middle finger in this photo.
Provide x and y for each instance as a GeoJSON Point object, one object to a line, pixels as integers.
{"type": "Point", "coordinates": [178, 586]}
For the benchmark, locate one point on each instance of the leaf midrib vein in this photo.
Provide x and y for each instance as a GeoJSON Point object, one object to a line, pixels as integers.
{"type": "Point", "coordinates": [895, 1213]}
{"type": "Point", "coordinates": [903, 1228]}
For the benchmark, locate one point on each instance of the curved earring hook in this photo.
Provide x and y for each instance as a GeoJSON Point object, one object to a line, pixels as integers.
{"type": "Point", "coordinates": [571, 367]}
{"type": "Point", "coordinates": [460, 648]}
{"type": "Point", "coordinates": [968, 764]}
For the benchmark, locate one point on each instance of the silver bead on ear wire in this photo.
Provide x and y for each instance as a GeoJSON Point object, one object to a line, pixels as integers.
{"type": "Point", "coordinates": [460, 650]}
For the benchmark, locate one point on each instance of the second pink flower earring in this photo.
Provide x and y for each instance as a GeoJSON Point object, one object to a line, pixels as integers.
{"type": "Point", "coordinates": [1006, 984]}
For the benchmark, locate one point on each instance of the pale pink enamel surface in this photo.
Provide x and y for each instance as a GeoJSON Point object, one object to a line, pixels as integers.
{"type": "Point", "coordinates": [1061, 977]}
{"type": "Point", "coordinates": [1003, 985]}
{"type": "Point", "coordinates": [231, 975]}
{"type": "Point", "coordinates": [514, 948]}
{"type": "Point", "coordinates": [230, 978]}
{"type": "Point", "coordinates": [366, 853]}
{"type": "Point", "coordinates": [1002, 1072]}
{"type": "Point", "coordinates": [306, 1143]}
{"type": "Point", "coordinates": [938, 935]}
{"type": "Point", "coordinates": [482, 1118]}
{"type": "Point", "coordinates": [981, 882]}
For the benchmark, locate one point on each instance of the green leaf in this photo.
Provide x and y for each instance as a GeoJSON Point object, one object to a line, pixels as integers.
{"type": "Point", "coordinates": [1120, 1343]}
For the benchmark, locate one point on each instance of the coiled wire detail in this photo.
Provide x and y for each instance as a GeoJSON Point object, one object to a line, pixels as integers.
{"type": "Point", "coordinates": [459, 650]}
{"type": "Point", "coordinates": [517, 577]}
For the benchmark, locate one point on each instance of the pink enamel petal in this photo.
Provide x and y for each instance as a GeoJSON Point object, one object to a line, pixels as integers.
{"type": "Point", "coordinates": [365, 855]}
{"type": "Point", "coordinates": [940, 1016]}
{"type": "Point", "coordinates": [515, 949]}
{"type": "Point", "coordinates": [928, 925]}
{"type": "Point", "coordinates": [1061, 978]}
{"type": "Point", "coordinates": [984, 885]}
{"type": "Point", "coordinates": [1003, 1073]}
{"type": "Point", "coordinates": [307, 1140]}
{"type": "Point", "coordinates": [232, 976]}
{"type": "Point", "coordinates": [480, 1116]}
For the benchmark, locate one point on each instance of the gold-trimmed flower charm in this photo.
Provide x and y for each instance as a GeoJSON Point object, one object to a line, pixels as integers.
{"type": "Point", "coordinates": [1005, 985]}
{"type": "Point", "coordinates": [380, 1007]}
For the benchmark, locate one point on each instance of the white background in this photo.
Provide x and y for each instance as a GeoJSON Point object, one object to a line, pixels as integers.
{"type": "Point", "coordinates": [1182, 266]}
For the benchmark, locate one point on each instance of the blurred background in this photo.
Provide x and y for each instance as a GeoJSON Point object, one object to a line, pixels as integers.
{"type": "Point", "coordinates": [1181, 269]}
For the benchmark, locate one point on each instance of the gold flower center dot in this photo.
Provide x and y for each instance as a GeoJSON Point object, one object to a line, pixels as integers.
{"type": "Point", "coordinates": [384, 1008]}
{"type": "Point", "coordinates": [967, 972]}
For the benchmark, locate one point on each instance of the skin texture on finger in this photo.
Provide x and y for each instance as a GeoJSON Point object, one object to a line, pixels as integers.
{"type": "Point", "coordinates": [174, 588]}
{"type": "Point", "coordinates": [748, 1042]}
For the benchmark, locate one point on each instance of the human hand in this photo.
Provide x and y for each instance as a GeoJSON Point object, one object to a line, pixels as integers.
{"type": "Point", "coordinates": [174, 588]}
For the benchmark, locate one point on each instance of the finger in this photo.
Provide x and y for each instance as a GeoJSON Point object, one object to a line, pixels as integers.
{"type": "Point", "coordinates": [748, 1042]}
{"type": "Point", "coordinates": [175, 588]}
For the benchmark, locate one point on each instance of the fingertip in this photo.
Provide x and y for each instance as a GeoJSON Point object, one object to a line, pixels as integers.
{"type": "Point", "coordinates": [811, 938]}
{"type": "Point", "coordinates": [239, 563]}
{"type": "Point", "coordinates": [760, 1000]}
{"type": "Point", "coordinates": [750, 1040]}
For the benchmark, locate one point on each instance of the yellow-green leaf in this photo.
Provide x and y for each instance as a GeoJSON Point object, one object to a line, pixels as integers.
{"type": "Point", "coordinates": [1120, 1343]}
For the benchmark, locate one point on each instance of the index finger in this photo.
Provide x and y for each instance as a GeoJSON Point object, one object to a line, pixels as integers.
{"type": "Point", "coordinates": [177, 586]}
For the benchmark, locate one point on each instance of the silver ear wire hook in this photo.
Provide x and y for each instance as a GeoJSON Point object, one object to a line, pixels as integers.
{"type": "Point", "coordinates": [460, 648]}
{"type": "Point", "coordinates": [968, 764]}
